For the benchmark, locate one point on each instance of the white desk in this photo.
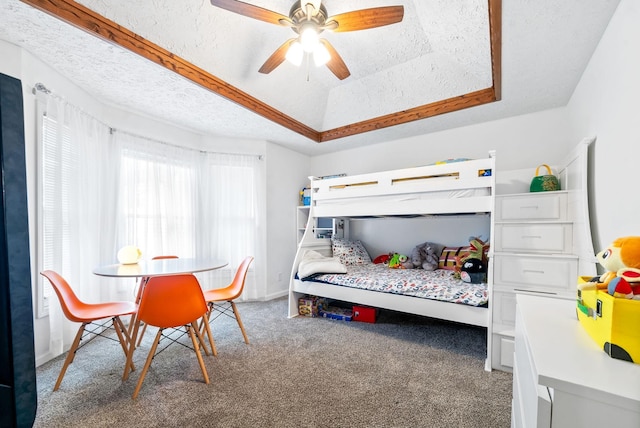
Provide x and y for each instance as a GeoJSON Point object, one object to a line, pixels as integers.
{"type": "Point", "coordinates": [562, 378]}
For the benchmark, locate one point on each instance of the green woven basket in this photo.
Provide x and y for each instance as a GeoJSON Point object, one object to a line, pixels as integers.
{"type": "Point", "coordinates": [544, 183]}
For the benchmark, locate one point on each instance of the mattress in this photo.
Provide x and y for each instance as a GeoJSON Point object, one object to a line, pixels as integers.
{"type": "Point", "coordinates": [438, 285]}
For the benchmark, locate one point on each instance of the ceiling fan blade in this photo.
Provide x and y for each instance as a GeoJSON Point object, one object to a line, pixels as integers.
{"type": "Point", "coordinates": [336, 64]}
{"type": "Point", "coordinates": [252, 11]}
{"type": "Point", "coordinates": [276, 58]}
{"type": "Point", "coordinates": [365, 18]}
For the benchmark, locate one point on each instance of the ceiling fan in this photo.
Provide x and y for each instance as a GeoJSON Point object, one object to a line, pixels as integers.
{"type": "Point", "coordinates": [309, 18]}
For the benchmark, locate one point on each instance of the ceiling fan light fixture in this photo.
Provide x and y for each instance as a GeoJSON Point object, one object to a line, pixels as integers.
{"type": "Point", "coordinates": [309, 38]}
{"type": "Point", "coordinates": [321, 55]}
{"type": "Point", "coordinates": [295, 53]}
{"type": "Point", "coordinates": [309, 18]}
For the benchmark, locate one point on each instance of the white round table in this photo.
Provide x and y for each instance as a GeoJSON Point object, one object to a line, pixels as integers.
{"type": "Point", "coordinates": [145, 270]}
{"type": "Point", "coordinates": [160, 267]}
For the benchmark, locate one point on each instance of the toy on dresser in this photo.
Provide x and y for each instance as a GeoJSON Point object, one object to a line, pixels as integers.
{"type": "Point", "coordinates": [621, 260]}
{"type": "Point", "coordinates": [608, 306]}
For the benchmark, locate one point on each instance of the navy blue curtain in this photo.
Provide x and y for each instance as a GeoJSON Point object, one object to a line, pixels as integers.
{"type": "Point", "coordinates": [18, 395]}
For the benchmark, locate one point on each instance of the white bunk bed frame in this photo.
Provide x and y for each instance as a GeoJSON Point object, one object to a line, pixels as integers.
{"type": "Point", "coordinates": [422, 190]}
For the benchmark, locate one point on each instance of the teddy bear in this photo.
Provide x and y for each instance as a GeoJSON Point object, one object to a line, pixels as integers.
{"type": "Point", "coordinates": [621, 260]}
{"type": "Point", "coordinates": [426, 256]}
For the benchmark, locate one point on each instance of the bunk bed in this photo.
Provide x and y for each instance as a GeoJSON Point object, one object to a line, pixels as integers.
{"type": "Point", "coordinates": [465, 187]}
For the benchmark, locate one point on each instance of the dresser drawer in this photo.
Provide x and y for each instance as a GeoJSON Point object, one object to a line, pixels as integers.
{"type": "Point", "coordinates": [533, 206]}
{"type": "Point", "coordinates": [543, 238]}
{"type": "Point", "coordinates": [504, 308]}
{"type": "Point", "coordinates": [503, 347]}
{"type": "Point", "coordinates": [536, 273]}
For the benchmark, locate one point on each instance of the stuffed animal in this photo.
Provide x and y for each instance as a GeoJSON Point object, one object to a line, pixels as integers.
{"type": "Point", "coordinates": [473, 267]}
{"type": "Point", "coordinates": [473, 271]}
{"type": "Point", "coordinates": [621, 259]}
{"type": "Point", "coordinates": [426, 256]}
{"type": "Point", "coordinates": [382, 259]}
{"type": "Point", "coordinates": [478, 249]}
{"type": "Point", "coordinates": [400, 261]}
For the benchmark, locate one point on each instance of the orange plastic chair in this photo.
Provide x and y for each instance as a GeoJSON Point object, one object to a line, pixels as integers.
{"type": "Point", "coordinates": [169, 302]}
{"type": "Point", "coordinates": [221, 300]}
{"type": "Point", "coordinates": [144, 280]}
{"type": "Point", "coordinates": [88, 314]}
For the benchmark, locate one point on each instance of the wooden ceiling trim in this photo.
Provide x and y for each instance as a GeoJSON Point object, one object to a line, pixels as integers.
{"type": "Point", "coordinates": [495, 32]}
{"type": "Point", "coordinates": [449, 105]}
{"type": "Point", "coordinates": [81, 17]}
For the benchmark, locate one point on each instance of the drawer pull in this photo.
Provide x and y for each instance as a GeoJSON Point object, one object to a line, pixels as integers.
{"type": "Point", "coordinates": [529, 207]}
{"type": "Point", "coordinates": [532, 237]}
{"type": "Point", "coordinates": [522, 290]}
{"type": "Point", "coordinates": [533, 271]}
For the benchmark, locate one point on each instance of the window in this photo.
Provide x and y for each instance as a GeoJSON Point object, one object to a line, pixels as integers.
{"type": "Point", "coordinates": [100, 189]}
{"type": "Point", "coordinates": [56, 158]}
{"type": "Point", "coordinates": [157, 203]}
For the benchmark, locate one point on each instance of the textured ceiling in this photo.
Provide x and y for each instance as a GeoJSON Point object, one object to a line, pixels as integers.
{"type": "Point", "coordinates": [441, 49]}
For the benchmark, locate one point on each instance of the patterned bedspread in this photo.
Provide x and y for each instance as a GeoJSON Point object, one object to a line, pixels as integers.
{"type": "Point", "coordinates": [436, 285]}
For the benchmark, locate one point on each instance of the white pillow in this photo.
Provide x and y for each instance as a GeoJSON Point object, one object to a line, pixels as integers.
{"type": "Point", "coordinates": [350, 252]}
{"type": "Point", "coordinates": [313, 262]}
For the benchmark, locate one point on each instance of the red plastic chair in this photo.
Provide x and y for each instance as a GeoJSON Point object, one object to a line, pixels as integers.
{"type": "Point", "coordinates": [221, 300]}
{"type": "Point", "coordinates": [88, 314]}
{"type": "Point", "coordinates": [169, 302]}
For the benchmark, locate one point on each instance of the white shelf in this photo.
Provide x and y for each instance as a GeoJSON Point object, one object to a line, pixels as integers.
{"type": "Point", "coordinates": [324, 227]}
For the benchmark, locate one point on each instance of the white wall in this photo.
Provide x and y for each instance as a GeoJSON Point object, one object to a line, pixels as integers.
{"type": "Point", "coordinates": [401, 235]}
{"type": "Point", "coordinates": [282, 191]}
{"type": "Point", "coordinates": [605, 104]}
{"type": "Point", "coordinates": [520, 142]}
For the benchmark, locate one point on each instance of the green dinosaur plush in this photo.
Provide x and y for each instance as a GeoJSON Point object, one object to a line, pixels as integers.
{"type": "Point", "coordinates": [399, 261]}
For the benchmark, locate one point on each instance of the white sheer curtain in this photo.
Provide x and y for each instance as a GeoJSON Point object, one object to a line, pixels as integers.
{"type": "Point", "coordinates": [78, 206]}
{"type": "Point", "coordinates": [104, 189]}
{"type": "Point", "coordinates": [229, 200]}
{"type": "Point", "coordinates": [158, 197]}
{"type": "Point", "coordinates": [189, 203]}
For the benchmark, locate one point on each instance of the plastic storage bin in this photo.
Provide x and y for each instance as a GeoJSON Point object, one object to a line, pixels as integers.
{"type": "Point", "coordinates": [612, 322]}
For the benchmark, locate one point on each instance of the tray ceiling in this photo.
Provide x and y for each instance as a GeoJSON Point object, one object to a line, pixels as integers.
{"type": "Point", "coordinates": [196, 65]}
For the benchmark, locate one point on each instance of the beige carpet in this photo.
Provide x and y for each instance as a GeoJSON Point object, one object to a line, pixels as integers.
{"type": "Point", "coordinates": [403, 371]}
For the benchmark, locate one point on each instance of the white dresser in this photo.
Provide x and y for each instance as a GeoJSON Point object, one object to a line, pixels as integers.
{"type": "Point", "coordinates": [541, 245]}
{"type": "Point", "coordinates": [533, 253]}
{"type": "Point", "coordinates": [561, 378]}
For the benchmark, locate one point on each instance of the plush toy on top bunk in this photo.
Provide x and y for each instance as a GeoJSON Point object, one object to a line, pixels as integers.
{"type": "Point", "coordinates": [622, 263]}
